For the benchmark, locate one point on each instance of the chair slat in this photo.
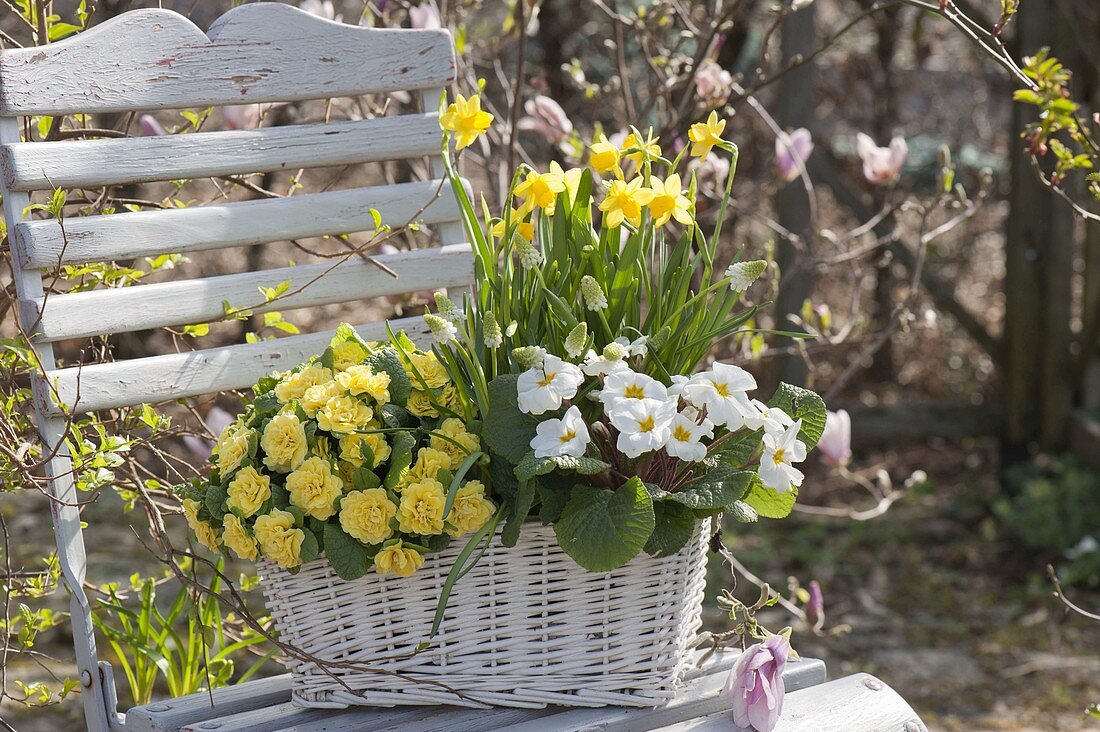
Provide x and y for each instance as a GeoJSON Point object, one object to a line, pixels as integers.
{"type": "Point", "coordinates": [264, 52]}
{"type": "Point", "coordinates": [34, 166]}
{"type": "Point", "coordinates": [180, 302]}
{"type": "Point", "coordinates": [47, 243]}
{"type": "Point", "coordinates": [191, 373]}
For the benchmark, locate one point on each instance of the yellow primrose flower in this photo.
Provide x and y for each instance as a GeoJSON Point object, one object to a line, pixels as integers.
{"type": "Point", "coordinates": [284, 443]}
{"type": "Point", "coordinates": [420, 404]}
{"type": "Point", "coordinates": [232, 447]}
{"type": "Point", "coordinates": [348, 353]}
{"type": "Point", "coordinates": [526, 229]}
{"type": "Point", "coordinates": [365, 515]}
{"type": "Point", "coordinates": [541, 189]}
{"type": "Point", "coordinates": [362, 379]}
{"type": "Point", "coordinates": [624, 201]}
{"type": "Point", "coordinates": [430, 369]}
{"type": "Point", "coordinates": [343, 414]}
{"type": "Point", "coordinates": [421, 509]}
{"type": "Point", "coordinates": [204, 532]}
{"type": "Point", "coordinates": [604, 156]}
{"type": "Point", "coordinates": [236, 538]}
{"type": "Point", "coordinates": [450, 398]}
{"type": "Point", "coordinates": [313, 488]}
{"type": "Point", "coordinates": [649, 145]}
{"type": "Point", "coordinates": [317, 396]}
{"type": "Point", "coordinates": [293, 386]}
{"type": "Point", "coordinates": [465, 119]}
{"type": "Point", "coordinates": [351, 448]}
{"type": "Point", "coordinates": [471, 509]}
{"type": "Point", "coordinates": [397, 560]}
{"type": "Point", "coordinates": [669, 201]}
{"type": "Point", "coordinates": [454, 429]}
{"type": "Point", "coordinates": [278, 539]}
{"type": "Point", "coordinates": [429, 462]}
{"type": "Point", "coordinates": [705, 135]}
{"type": "Point", "coordinates": [247, 491]}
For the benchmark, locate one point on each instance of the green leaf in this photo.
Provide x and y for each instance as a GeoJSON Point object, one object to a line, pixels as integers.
{"type": "Point", "coordinates": [743, 512]}
{"type": "Point", "coordinates": [386, 359]}
{"type": "Point", "coordinates": [394, 416]}
{"type": "Point", "coordinates": [601, 529]}
{"type": "Point", "coordinates": [736, 450]}
{"type": "Point", "coordinates": [310, 546]}
{"type": "Point", "coordinates": [215, 499]}
{"type": "Point", "coordinates": [531, 466]}
{"type": "Point", "coordinates": [802, 404]}
{"type": "Point", "coordinates": [714, 490]}
{"type": "Point", "coordinates": [364, 479]}
{"type": "Point", "coordinates": [520, 507]}
{"type": "Point", "coordinates": [508, 431]}
{"type": "Point", "coordinates": [769, 502]}
{"type": "Point", "coordinates": [672, 530]}
{"type": "Point", "coordinates": [349, 557]}
{"type": "Point", "coordinates": [400, 458]}
{"type": "Point", "coordinates": [553, 492]}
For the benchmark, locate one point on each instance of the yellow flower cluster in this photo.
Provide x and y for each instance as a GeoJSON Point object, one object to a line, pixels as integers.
{"type": "Point", "coordinates": [308, 450]}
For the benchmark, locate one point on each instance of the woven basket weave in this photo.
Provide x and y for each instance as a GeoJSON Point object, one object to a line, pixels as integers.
{"type": "Point", "coordinates": [526, 627]}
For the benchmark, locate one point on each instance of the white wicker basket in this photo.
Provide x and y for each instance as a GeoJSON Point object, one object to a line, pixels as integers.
{"type": "Point", "coordinates": [526, 627]}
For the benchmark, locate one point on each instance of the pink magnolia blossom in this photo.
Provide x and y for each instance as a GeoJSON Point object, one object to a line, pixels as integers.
{"type": "Point", "coordinates": [755, 686]}
{"type": "Point", "coordinates": [320, 8]}
{"type": "Point", "coordinates": [425, 15]}
{"type": "Point", "coordinates": [791, 153]}
{"type": "Point", "coordinates": [242, 116]}
{"type": "Point", "coordinates": [881, 165]}
{"type": "Point", "coordinates": [149, 126]}
{"type": "Point", "coordinates": [217, 419]}
{"type": "Point", "coordinates": [545, 117]}
{"type": "Point", "coordinates": [713, 83]}
{"type": "Point", "coordinates": [835, 444]}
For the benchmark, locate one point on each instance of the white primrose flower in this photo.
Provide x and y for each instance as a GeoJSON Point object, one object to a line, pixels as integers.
{"type": "Point", "coordinates": [676, 388]}
{"type": "Point", "coordinates": [685, 440]}
{"type": "Point", "coordinates": [780, 450]}
{"type": "Point", "coordinates": [544, 387]}
{"type": "Point", "coordinates": [636, 347]}
{"type": "Point", "coordinates": [565, 436]}
{"type": "Point", "coordinates": [644, 425]}
{"type": "Point", "coordinates": [722, 390]}
{"type": "Point", "coordinates": [771, 419]}
{"type": "Point", "coordinates": [627, 384]}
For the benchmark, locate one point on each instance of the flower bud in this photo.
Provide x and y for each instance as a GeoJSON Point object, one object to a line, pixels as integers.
{"type": "Point", "coordinates": [593, 294]}
{"type": "Point", "coordinates": [442, 330]}
{"type": "Point", "coordinates": [493, 337]}
{"type": "Point", "coordinates": [446, 308]}
{"type": "Point", "coordinates": [529, 357]}
{"type": "Point", "coordinates": [743, 274]}
{"type": "Point", "coordinates": [576, 340]}
{"type": "Point", "coordinates": [614, 351]}
{"type": "Point", "coordinates": [529, 257]}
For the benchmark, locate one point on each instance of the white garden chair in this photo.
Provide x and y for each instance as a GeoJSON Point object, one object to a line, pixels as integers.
{"type": "Point", "coordinates": [259, 53]}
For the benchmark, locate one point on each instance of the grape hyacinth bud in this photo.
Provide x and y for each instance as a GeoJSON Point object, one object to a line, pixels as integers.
{"type": "Point", "coordinates": [442, 330]}
{"type": "Point", "coordinates": [446, 308]}
{"type": "Point", "coordinates": [493, 337]}
{"type": "Point", "coordinates": [614, 351]}
{"type": "Point", "coordinates": [743, 274]}
{"type": "Point", "coordinates": [576, 340]}
{"type": "Point", "coordinates": [593, 294]}
{"type": "Point", "coordinates": [529, 257]}
{"type": "Point", "coordinates": [529, 357]}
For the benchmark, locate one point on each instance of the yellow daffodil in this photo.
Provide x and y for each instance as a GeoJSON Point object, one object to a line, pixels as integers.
{"type": "Point", "coordinates": [669, 201]}
{"type": "Point", "coordinates": [541, 189]}
{"type": "Point", "coordinates": [649, 145]}
{"type": "Point", "coordinates": [466, 120]}
{"type": "Point", "coordinates": [604, 156]}
{"type": "Point", "coordinates": [525, 228]}
{"type": "Point", "coordinates": [706, 135]}
{"type": "Point", "coordinates": [572, 178]}
{"type": "Point", "coordinates": [624, 201]}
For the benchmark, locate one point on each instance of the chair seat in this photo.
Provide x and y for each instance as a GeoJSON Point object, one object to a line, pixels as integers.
{"type": "Point", "coordinates": [854, 704]}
